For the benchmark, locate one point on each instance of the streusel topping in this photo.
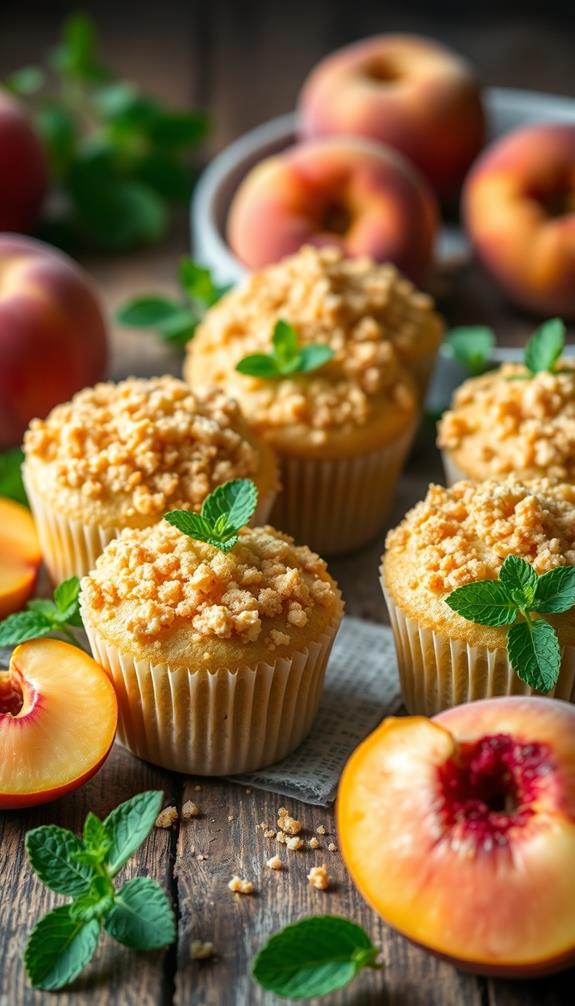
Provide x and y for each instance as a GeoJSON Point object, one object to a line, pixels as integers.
{"type": "Point", "coordinates": [162, 580]}
{"type": "Point", "coordinates": [513, 424]}
{"type": "Point", "coordinates": [153, 443]}
{"type": "Point", "coordinates": [458, 535]}
{"type": "Point", "coordinates": [372, 318]}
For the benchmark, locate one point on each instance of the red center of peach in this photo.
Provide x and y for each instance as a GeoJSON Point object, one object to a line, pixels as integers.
{"type": "Point", "coordinates": [492, 786]}
{"type": "Point", "coordinates": [17, 699]}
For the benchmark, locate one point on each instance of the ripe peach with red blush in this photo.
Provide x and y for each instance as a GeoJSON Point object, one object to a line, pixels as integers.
{"type": "Point", "coordinates": [519, 208]}
{"type": "Point", "coordinates": [53, 339]}
{"type": "Point", "coordinates": [58, 715]}
{"type": "Point", "coordinates": [23, 172]}
{"type": "Point", "coordinates": [20, 556]}
{"type": "Point", "coordinates": [460, 832]}
{"type": "Point", "coordinates": [410, 93]}
{"type": "Point", "coordinates": [354, 194]}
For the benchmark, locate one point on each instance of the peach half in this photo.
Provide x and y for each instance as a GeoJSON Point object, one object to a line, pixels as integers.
{"type": "Point", "coordinates": [58, 715]}
{"type": "Point", "coordinates": [355, 194]}
{"type": "Point", "coordinates": [20, 556]}
{"type": "Point", "coordinates": [460, 832]}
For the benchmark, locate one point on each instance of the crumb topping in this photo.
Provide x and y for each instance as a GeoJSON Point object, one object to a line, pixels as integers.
{"type": "Point", "coordinates": [515, 425]}
{"type": "Point", "coordinates": [166, 579]}
{"type": "Point", "coordinates": [318, 877]}
{"type": "Point", "coordinates": [289, 824]}
{"type": "Point", "coordinates": [201, 950]}
{"type": "Point", "coordinates": [190, 809]}
{"type": "Point", "coordinates": [152, 443]}
{"type": "Point", "coordinates": [373, 319]}
{"type": "Point", "coordinates": [167, 817]}
{"type": "Point", "coordinates": [458, 535]}
{"type": "Point", "coordinates": [274, 863]}
{"type": "Point", "coordinates": [239, 886]}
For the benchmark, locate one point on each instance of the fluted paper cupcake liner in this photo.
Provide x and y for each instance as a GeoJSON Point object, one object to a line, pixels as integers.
{"type": "Point", "coordinates": [220, 722]}
{"type": "Point", "coordinates": [453, 473]}
{"type": "Point", "coordinates": [335, 506]}
{"type": "Point", "coordinates": [70, 548]}
{"type": "Point", "coordinates": [437, 672]}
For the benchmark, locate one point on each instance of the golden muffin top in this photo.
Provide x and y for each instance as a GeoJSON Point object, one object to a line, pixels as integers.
{"type": "Point", "coordinates": [156, 591]}
{"type": "Point", "coordinates": [507, 421]}
{"type": "Point", "coordinates": [127, 452]}
{"type": "Point", "coordinates": [372, 318]}
{"type": "Point", "coordinates": [458, 535]}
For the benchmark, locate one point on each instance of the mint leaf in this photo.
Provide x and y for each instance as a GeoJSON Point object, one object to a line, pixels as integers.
{"type": "Point", "coordinates": [178, 129]}
{"type": "Point", "coordinates": [520, 580]}
{"type": "Point", "coordinates": [178, 329]}
{"type": "Point", "coordinates": [486, 602]}
{"type": "Point", "coordinates": [51, 851]}
{"type": "Point", "coordinates": [58, 948]}
{"type": "Point", "coordinates": [534, 653]}
{"type": "Point", "coordinates": [96, 903]}
{"type": "Point", "coordinates": [313, 357]}
{"type": "Point", "coordinates": [11, 484]}
{"type": "Point", "coordinates": [26, 81]}
{"type": "Point", "coordinates": [235, 500]}
{"type": "Point", "coordinates": [285, 342]}
{"type": "Point", "coordinates": [148, 312]}
{"type": "Point", "coordinates": [471, 346]}
{"type": "Point", "coordinates": [22, 626]}
{"type": "Point", "coordinates": [141, 916]}
{"type": "Point", "coordinates": [313, 957]}
{"type": "Point", "coordinates": [190, 523]}
{"type": "Point", "coordinates": [198, 283]}
{"type": "Point", "coordinates": [259, 365]}
{"type": "Point", "coordinates": [287, 356]}
{"type": "Point", "coordinates": [555, 591]}
{"type": "Point", "coordinates": [545, 347]}
{"type": "Point", "coordinates": [66, 597]}
{"type": "Point", "coordinates": [44, 607]}
{"type": "Point", "coordinates": [97, 841]}
{"type": "Point", "coordinates": [129, 824]}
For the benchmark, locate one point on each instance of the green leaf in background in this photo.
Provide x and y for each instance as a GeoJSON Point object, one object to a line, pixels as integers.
{"type": "Point", "coordinates": [485, 602]}
{"type": "Point", "coordinates": [259, 365]}
{"type": "Point", "coordinates": [51, 851]}
{"type": "Point", "coordinates": [178, 329]}
{"type": "Point", "coordinates": [117, 214]}
{"type": "Point", "coordinates": [11, 485]}
{"type": "Point", "coordinates": [471, 346]}
{"type": "Point", "coordinates": [76, 55]}
{"type": "Point", "coordinates": [166, 175]}
{"type": "Point", "coordinates": [287, 356]}
{"type": "Point", "coordinates": [178, 129]}
{"type": "Point", "coordinates": [313, 957]}
{"type": "Point", "coordinates": [24, 625]}
{"type": "Point", "coordinates": [198, 283]}
{"type": "Point", "coordinates": [26, 81]}
{"type": "Point", "coordinates": [235, 500]}
{"type": "Point", "coordinates": [314, 357]}
{"type": "Point", "coordinates": [555, 591]}
{"type": "Point", "coordinates": [57, 129]}
{"type": "Point", "coordinates": [129, 825]}
{"type": "Point", "coordinates": [545, 347]}
{"type": "Point", "coordinates": [141, 917]}
{"type": "Point", "coordinates": [534, 653]}
{"type": "Point", "coordinates": [520, 580]}
{"type": "Point", "coordinates": [58, 948]}
{"type": "Point", "coordinates": [148, 312]}
{"type": "Point", "coordinates": [66, 597]}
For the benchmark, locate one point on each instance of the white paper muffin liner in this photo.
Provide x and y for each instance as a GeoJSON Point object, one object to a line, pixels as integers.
{"type": "Point", "coordinates": [70, 548]}
{"type": "Point", "coordinates": [335, 506]}
{"type": "Point", "coordinates": [453, 473]}
{"type": "Point", "coordinates": [437, 672]}
{"type": "Point", "coordinates": [215, 723]}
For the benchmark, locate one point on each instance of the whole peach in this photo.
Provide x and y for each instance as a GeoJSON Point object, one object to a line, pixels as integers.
{"type": "Point", "coordinates": [23, 176]}
{"type": "Point", "coordinates": [52, 332]}
{"type": "Point", "coordinates": [411, 93]}
{"type": "Point", "coordinates": [352, 193]}
{"type": "Point", "coordinates": [519, 209]}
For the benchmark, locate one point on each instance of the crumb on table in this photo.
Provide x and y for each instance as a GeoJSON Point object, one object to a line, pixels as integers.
{"type": "Point", "coordinates": [201, 950]}
{"type": "Point", "coordinates": [239, 886]}
{"type": "Point", "coordinates": [190, 809]}
{"type": "Point", "coordinates": [275, 863]}
{"type": "Point", "coordinates": [294, 843]}
{"type": "Point", "coordinates": [318, 877]}
{"type": "Point", "coordinates": [167, 817]}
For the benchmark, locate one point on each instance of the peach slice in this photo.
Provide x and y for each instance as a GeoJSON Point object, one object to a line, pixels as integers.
{"type": "Point", "coordinates": [20, 556]}
{"type": "Point", "coordinates": [58, 715]}
{"type": "Point", "coordinates": [460, 832]}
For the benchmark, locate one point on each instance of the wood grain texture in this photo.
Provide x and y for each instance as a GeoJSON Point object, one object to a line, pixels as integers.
{"type": "Point", "coordinates": [245, 62]}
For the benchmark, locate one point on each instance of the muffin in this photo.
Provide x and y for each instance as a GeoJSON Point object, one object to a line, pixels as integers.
{"type": "Point", "coordinates": [454, 537]}
{"type": "Point", "coordinates": [120, 455]}
{"type": "Point", "coordinates": [506, 423]}
{"type": "Point", "coordinates": [341, 432]}
{"type": "Point", "coordinates": [218, 659]}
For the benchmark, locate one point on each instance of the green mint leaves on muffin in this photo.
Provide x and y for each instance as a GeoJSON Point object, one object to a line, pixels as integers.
{"type": "Point", "coordinates": [545, 347]}
{"type": "Point", "coordinates": [223, 514]}
{"type": "Point", "coordinates": [513, 600]}
{"type": "Point", "coordinates": [313, 957]}
{"type": "Point", "coordinates": [287, 357]}
{"type": "Point", "coordinates": [45, 618]}
{"type": "Point", "coordinates": [139, 914]}
{"type": "Point", "coordinates": [175, 321]}
{"type": "Point", "coordinates": [471, 346]}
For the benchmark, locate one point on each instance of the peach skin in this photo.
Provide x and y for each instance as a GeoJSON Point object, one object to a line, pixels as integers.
{"type": "Point", "coordinates": [20, 556]}
{"type": "Point", "coordinates": [354, 194]}
{"type": "Point", "coordinates": [23, 172]}
{"type": "Point", "coordinates": [460, 832]}
{"type": "Point", "coordinates": [410, 93]}
{"type": "Point", "coordinates": [53, 337]}
{"type": "Point", "coordinates": [519, 210]}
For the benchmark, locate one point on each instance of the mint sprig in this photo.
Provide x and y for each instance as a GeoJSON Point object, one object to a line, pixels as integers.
{"type": "Point", "coordinates": [45, 618]}
{"type": "Point", "coordinates": [517, 599]}
{"type": "Point", "coordinates": [224, 512]}
{"type": "Point", "coordinates": [175, 321]}
{"type": "Point", "coordinates": [471, 346]}
{"type": "Point", "coordinates": [287, 357]}
{"type": "Point", "coordinates": [138, 914]}
{"type": "Point", "coordinates": [545, 347]}
{"type": "Point", "coordinates": [313, 957]}
{"type": "Point", "coordinates": [11, 484]}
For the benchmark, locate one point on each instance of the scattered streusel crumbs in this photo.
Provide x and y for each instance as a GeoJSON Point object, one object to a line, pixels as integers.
{"type": "Point", "coordinates": [201, 857]}
{"type": "Point", "coordinates": [239, 886]}
{"type": "Point", "coordinates": [320, 830]}
{"type": "Point", "coordinates": [289, 824]}
{"type": "Point", "coordinates": [201, 951]}
{"type": "Point", "coordinates": [231, 818]}
{"type": "Point", "coordinates": [197, 788]}
{"type": "Point", "coordinates": [190, 809]}
{"type": "Point", "coordinates": [167, 817]}
{"type": "Point", "coordinates": [281, 838]}
{"type": "Point", "coordinates": [332, 847]}
{"type": "Point", "coordinates": [294, 843]}
{"type": "Point", "coordinates": [269, 833]}
{"type": "Point", "coordinates": [318, 877]}
{"type": "Point", "coordinates": [314, 843]}
{"type": "Point", "coordinates": [274, 863]}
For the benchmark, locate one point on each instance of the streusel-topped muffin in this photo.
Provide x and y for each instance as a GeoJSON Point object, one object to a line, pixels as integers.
{"type": "Point", "coordinates": [120, 455]}
{"type": "Point", "coordinates": [455, 537]}
{"type": "Point", "coordinates": [218, 659]}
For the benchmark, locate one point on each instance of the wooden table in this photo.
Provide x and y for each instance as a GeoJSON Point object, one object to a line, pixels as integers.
{"type": "Point", "coordinates": [204, 53]}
